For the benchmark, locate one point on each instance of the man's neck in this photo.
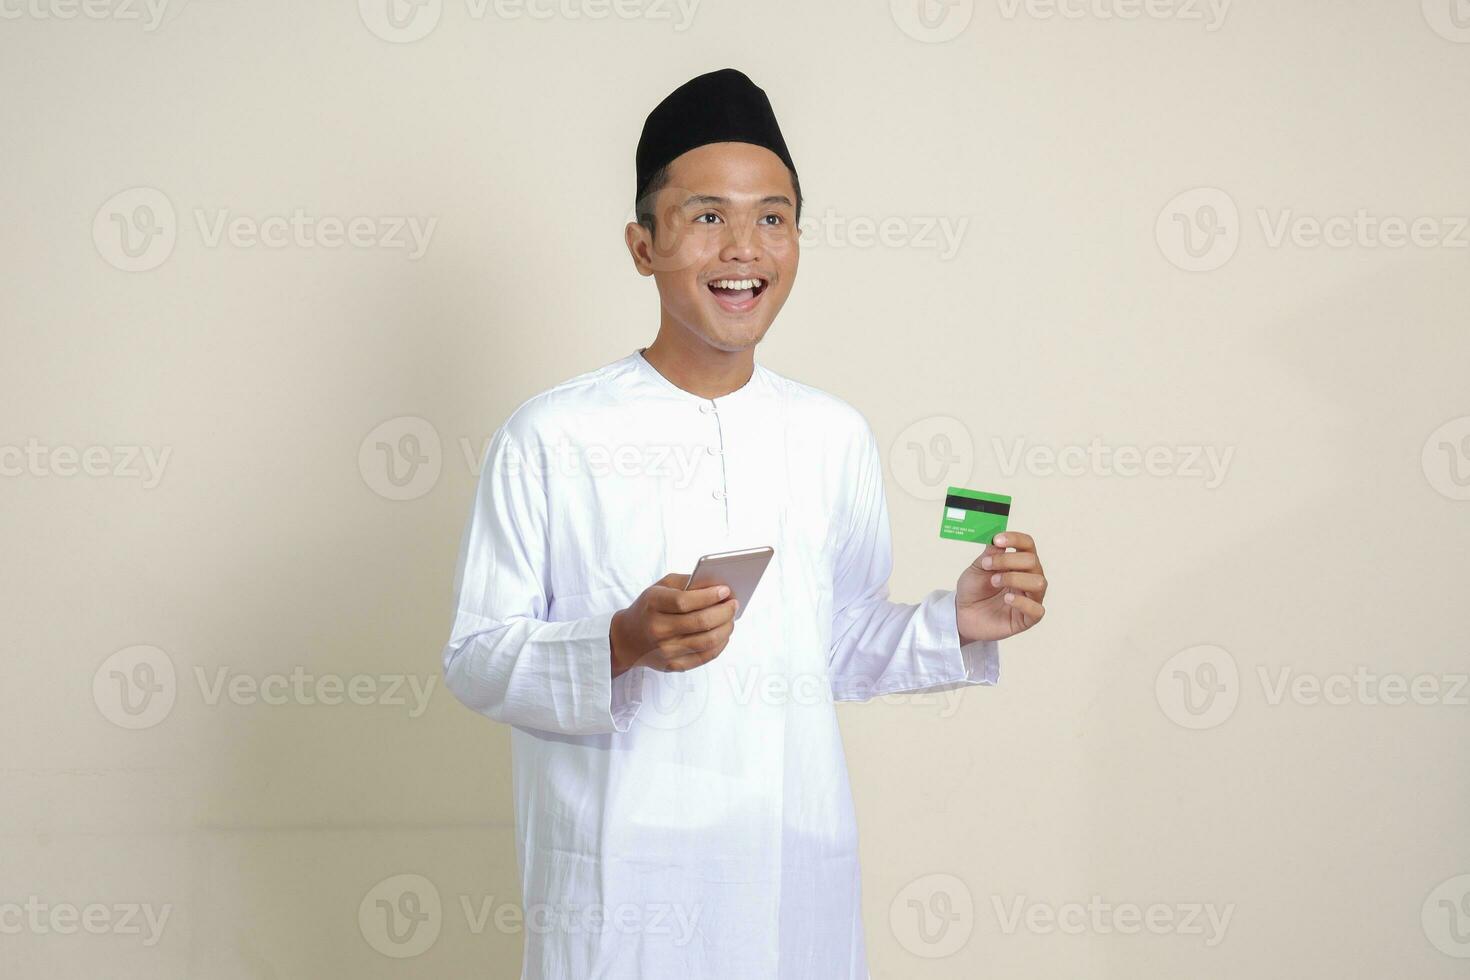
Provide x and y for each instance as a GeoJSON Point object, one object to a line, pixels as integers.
{"type": "Point", "coordinates": [697, 367]}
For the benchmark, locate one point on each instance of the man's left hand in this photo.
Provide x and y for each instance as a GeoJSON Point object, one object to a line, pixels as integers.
{"type": "Point", "coordinates": [1001, 593]}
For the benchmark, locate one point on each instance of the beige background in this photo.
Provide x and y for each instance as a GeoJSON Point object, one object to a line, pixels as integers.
{"type": "Point", "coordinates": [1333, 541]}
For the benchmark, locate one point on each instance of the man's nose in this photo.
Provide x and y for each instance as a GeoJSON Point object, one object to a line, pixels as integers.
{"type": "Point", "coordinates": [740, 245]}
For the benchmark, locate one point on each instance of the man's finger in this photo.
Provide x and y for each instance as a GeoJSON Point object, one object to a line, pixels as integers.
{"type": "Point", "coordinates": [675, 601]}
{"type": "Point", "coordinates": [1015, 539]}
{"type": "Point", "coordinates": [703, 647]}
{"type": "Point", "coordinates": [1013, 561]}
{"type": "Point", "coordinates": [1021, 581]}
{"type": "Point", "coordinates": [700, 620]}
{"type": "Point", "coordinates": [1030, 608]}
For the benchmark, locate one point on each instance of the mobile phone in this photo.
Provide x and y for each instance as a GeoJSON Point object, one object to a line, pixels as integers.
{"type": "Point", "coordinates": [740, 570]}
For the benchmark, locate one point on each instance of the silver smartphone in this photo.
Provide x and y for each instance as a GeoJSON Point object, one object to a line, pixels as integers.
{"type": "Point", "coordinates": [740, 570]}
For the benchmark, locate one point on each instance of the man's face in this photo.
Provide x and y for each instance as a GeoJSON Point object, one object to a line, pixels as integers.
{"type": "Point", "coordinates": [727, 217]}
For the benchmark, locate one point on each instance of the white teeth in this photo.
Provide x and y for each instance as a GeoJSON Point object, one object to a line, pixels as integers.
{"type": "Point", "coordinates": [736, 283]}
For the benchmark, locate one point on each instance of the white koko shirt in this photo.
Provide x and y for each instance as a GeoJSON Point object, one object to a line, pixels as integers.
{"type": "Point", "coordinates": [684, 826]}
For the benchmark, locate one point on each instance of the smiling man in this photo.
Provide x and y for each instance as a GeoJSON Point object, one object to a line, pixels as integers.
{"type": "Point", "coordinates": [682, 800]}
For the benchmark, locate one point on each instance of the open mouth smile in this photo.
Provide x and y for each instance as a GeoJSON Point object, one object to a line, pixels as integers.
{"type": "Point", "coordinates": [737, 295]}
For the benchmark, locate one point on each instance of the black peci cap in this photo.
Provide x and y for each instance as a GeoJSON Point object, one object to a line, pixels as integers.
{"type": "Point", "coordinates": [720, 107]}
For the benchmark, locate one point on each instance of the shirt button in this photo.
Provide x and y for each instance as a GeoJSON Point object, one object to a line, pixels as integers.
{"type": "Point", "coordinates": [706, 407]}
{"type": "Point", "coordinates": [718, 494]}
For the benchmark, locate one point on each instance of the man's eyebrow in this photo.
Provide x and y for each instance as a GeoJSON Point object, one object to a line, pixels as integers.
{"type": "Point", "coordinates": [698, 200]}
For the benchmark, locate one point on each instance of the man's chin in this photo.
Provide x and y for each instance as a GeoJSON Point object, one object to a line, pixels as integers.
{"type": "Point", "coordinates": [732, 338]}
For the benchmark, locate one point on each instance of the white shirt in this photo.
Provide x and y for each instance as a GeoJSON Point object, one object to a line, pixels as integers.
{"type": "Point", "coordinates": [700, 824]}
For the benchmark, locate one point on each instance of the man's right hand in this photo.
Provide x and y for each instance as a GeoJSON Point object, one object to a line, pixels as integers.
{"type": "Point", "coordinates": [669, 629]}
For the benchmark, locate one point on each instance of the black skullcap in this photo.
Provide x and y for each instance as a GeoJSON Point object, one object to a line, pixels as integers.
{"type": "Point", "coordinates": [721, 107]}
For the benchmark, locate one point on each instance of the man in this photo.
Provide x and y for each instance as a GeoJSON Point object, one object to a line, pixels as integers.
{"type": "Point", "coordinates": [682, 802]}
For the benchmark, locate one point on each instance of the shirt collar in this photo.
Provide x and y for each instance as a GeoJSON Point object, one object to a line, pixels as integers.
{"type": "Point", "coordinates": [745, 393]}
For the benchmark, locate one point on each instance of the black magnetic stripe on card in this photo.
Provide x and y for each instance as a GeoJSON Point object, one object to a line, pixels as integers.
{"type": "Point", "coordinates": [984, 506]}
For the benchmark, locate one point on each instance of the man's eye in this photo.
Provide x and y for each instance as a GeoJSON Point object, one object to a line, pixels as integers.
{"type": "Point", "coordinates": [774, 219]}
{"type": "Point", "coordinates": [699, 219]}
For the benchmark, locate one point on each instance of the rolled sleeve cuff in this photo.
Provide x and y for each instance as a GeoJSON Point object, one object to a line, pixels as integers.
{"type": "Point", "coordinates": [617, 699]}
{"type": "Point", "coordinates": [976, 662]}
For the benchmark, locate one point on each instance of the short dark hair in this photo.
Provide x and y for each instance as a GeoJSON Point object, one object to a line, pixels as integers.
{"type": "Point", "coordinates": [643, 207]}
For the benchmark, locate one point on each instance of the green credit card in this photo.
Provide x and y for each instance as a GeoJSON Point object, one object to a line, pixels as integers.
{"type": "Point", "coordinates": [970, 515]}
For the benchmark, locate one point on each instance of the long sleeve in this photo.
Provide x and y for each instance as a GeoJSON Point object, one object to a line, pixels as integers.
{"type": "Point", "coordinates": [883, 647]}
{"type": "Point", "coordinates": [504, 658]}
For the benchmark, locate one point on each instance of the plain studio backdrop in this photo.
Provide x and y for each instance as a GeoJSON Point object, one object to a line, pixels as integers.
{"type": "Point", "coordinates": [1189, 281]}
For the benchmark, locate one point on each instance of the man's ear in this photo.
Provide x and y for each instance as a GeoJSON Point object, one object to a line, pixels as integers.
{"type": "Point", "coordinates": [640, 246]}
